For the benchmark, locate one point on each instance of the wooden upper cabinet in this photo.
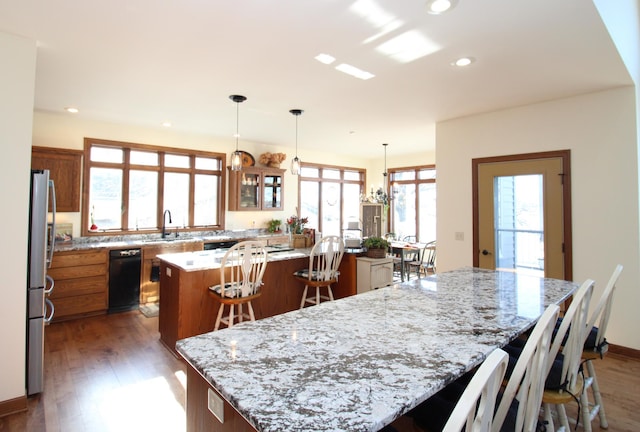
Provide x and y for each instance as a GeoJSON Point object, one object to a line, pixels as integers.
{"type": "Point", "coordinates": [256, 188]}
{"type": "Point", "coordinates": [65, 167]}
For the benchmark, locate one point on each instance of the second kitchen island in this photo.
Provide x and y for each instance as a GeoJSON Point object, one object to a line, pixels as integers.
{"type": "Point", "coordinates": [188, 309]}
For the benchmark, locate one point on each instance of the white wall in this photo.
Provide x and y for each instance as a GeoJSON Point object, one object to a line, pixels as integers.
{"type": "Point", "coordinates": [17, 80]}
{"type": "Point", "coordinates": [600, 131]}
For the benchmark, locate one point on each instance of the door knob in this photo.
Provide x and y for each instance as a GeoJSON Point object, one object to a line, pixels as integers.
{"type": "Point", "coordinates": [485, 252]}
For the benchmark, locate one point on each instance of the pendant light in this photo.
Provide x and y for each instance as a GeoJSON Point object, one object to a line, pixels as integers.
{"type": "Point", "coordinates": [295, 163]}
{"type": "Point", "coordinates": [236, 156]}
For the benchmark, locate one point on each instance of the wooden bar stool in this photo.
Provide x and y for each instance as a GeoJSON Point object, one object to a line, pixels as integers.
{"type": "Point", "coordinates": [324, 261]}
{"type": "Point", "coordinates": [241, 271]}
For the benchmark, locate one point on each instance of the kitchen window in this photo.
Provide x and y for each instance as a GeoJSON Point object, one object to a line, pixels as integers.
{"type": "Point", "coordinates": [330, 196]}
{"type": "Point", "coordinates": [129, 186]}
{"type": "Point", "coordinates": [413, 202]}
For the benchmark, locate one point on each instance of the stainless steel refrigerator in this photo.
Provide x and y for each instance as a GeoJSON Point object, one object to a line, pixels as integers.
{"type": "Point", "coordinates": [39, 285]}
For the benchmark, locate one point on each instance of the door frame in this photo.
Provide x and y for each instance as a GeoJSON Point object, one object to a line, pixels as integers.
{"type": "Point", "coordinates": [565, 156]}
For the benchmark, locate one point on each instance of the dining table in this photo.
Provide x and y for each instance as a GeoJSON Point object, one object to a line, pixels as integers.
{"type": "Point", "coordinates": [358, 363]}
{"type": "Point", "coordinates": [405, 252]}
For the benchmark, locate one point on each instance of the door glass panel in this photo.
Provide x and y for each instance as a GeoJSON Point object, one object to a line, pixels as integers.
{"type": "Point", "coordinates": [331, 209]}
{"type": "Point", "coordinates": [205, 200]}
{"type": "Point", "coordinates": [519, 223]}
{"type": "Point", "coordinates": [404, 210]}
{"type": "Point", "coordinates": [309, 195]}
{"type": "Point", "coordinates": [427, 199]}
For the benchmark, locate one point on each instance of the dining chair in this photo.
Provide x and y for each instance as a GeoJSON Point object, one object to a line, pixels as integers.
{"type": "Point", "coordinates": [241, 270]}
{"type": "Point", "coordinates": [564, 382]}
{"type": "Point", "coordinates": [474, 410]}
{"type": "Point", "coordinates": [322, 272]}
{"type": "Point", "coordinates": [426, 262]}
{"type": "Point", "coordinates": [596, 346]}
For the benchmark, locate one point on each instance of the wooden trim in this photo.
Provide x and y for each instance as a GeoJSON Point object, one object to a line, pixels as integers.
{"type": "Point", "coordinates": [12, 406]}
{"type": "Point", "coordinates": [565, 155]}
{"type": "Point", "coordinates": [624, 351]}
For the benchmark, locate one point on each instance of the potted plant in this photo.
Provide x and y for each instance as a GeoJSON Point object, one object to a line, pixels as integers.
{"type": "Point", "coordinates": [376, 247]}
{"type": "Point", "coordinates": [274, 225]}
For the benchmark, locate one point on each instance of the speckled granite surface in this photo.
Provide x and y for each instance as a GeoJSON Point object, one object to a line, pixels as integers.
{"type": "Point", "coordinates": [358, 363]}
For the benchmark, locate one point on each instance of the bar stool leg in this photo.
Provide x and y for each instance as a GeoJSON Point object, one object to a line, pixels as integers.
{"type": "Point", "coordinates": [604, 424]}
{"type": "Point", "coordinates": [219, 318]}
{"type": "Point", "coordinates": [304, 296]}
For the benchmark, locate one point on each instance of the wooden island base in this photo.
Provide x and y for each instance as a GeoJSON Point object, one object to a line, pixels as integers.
{"type": "Point", "coordinates": [188, 309]}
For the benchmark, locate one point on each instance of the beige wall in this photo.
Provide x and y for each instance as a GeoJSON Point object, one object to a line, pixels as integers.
{"type": "Point", "coordinates": [600, 131]}
{"type": "Point", "coordinates": [17, 80]}
{"type": "Point", "coordinates": [63, 130]}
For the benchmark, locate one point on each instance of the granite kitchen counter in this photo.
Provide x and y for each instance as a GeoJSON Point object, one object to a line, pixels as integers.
{"type": "Point", "coordinates": [358, 363]}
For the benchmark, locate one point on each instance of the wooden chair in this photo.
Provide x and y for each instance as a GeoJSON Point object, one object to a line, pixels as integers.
{"type": "Point", "coordinates": [322, 272]}
{"type": "Point", "coordinates": [241, 272]}
{"type": "Point", "coordinates": [596, 346]}
{"type": "Point", "coordinates": [426, 263]}
{"type": "Point", "coordinates": [474, 410]}
{"type": "Point", "coordinates": [564, 382]}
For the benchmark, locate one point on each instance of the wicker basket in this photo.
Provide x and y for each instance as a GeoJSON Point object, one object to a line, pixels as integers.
{"type": "Point", "coordinates": [377, 253]}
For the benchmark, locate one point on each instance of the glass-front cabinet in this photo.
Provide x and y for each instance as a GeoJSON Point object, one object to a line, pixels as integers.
{"type": "Point", "coordinates": [256, 188]}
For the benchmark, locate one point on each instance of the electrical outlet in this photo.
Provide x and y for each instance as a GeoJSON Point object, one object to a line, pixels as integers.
{"type": "Point", "coordinates": [216, 405]}
{"type": "Point", "coordinates": [459, 236]}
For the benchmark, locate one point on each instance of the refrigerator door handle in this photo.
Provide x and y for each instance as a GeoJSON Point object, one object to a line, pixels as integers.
{"type": "Point", "coordinates": [52, 284]}
{"type": "Point", "coordinates": [52, 310]}
{"type": "Point", "coordinates": [52, 186]}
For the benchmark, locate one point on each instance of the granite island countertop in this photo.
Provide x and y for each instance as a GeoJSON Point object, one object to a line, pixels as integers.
{"type": "Point", "coordinates": [358, 363]}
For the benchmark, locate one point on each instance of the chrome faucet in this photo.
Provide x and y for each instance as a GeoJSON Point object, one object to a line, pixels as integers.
{"type": "Point", "coordinates": [164, 218]}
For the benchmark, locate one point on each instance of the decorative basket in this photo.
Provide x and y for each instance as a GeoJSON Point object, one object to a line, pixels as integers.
{"type": "Point", "coordinates": [298, 241]}
{"type": "Point", "coordinates": [377, 253]}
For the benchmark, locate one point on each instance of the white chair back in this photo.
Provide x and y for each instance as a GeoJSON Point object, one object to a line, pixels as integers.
{"type": "Point", "coordinates": [574, 323]}
{"type": "Point", "coordinates": [242, 268]}
{"type": "Point", "coordinates": [602, 311]}
{"type": "Point", "coordinates": [326, 256]}
{"type": "Point", "coordinates": [526, 383]}
{"type": "Point", "coordinates": [474, 411]}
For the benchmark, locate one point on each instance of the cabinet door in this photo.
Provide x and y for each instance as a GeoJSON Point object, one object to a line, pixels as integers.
{"type": "Point", "coordinates": [65, 167]}
{"type": "Point", "coordinates": [272, 192]}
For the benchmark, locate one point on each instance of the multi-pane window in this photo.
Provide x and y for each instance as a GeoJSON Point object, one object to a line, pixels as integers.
{"type": "Point", "coordinates": [129, 186]}
{"type": "Point", "coordinates": [330, 196]}
{"type": "Point", "coordinates": [413, 203]}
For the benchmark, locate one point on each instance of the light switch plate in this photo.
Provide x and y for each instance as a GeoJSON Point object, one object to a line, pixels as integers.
{"type": "Point", "coordinates": [216, 405]}
{"type": "Point", "coordinates": [169, 271]}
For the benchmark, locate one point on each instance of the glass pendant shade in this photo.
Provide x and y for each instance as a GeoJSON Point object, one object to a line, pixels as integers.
{"type": "Point", "coordinates": [236, 161]}
{"type": "Point", "coordinates": [236, 156]}
{"type": "Point", "coordinates": [295, 166]}
{"type": "Point", "coordinates": [295, 163]}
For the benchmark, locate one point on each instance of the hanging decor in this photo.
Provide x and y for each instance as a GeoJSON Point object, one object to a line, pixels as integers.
{"type": "Point", "coordinates": [295, 163]}
{"type": "Point", "coordinates": [236, 156]}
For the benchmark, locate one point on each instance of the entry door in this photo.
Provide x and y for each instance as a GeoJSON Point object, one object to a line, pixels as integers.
{"type": "Point", "coordinates": [522, 214]}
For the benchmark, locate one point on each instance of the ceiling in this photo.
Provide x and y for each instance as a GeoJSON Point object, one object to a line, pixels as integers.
{"type": "Point", "coordinates": [144, 62]}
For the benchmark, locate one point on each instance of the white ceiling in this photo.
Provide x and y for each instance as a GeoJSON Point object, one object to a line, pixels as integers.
{"type": "Point", "coordinates": [147, 61]}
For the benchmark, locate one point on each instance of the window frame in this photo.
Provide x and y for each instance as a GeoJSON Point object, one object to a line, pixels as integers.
{"type": "Point", "coordinates": [341, 181]}
{"type": "Point", "coordinates": [416, 181]}
{"type": "Point", "coordinates": [126, 167]}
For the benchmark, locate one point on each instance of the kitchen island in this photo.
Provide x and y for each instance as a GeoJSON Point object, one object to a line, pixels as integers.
{"type": "Point", "coordinates": [358, 363]}
{"type": "Point", "coordinates": [187, 308]}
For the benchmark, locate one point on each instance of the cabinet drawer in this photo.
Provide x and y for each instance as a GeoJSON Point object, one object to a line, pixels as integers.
{"type": "Point", "coordinates": [80, 286]}
{"type": "Point", "coordinates": [74, 259]}
{"type": "Point", "coordinates": [80, 271]}
{"type": "Point", "coordinates": [79, 305]}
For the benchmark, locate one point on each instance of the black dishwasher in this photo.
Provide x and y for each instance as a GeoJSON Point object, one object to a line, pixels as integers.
{"type": "Point", "coordinates": [124, 280]}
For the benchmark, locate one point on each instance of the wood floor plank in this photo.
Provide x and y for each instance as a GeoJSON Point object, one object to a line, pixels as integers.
{"type": "Point", "coordinates": [111, 373]}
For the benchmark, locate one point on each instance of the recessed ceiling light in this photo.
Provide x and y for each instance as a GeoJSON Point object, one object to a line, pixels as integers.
{"type": "Point", "coordinates": [325, 58]}
{"type": "Point", "coordinates": [354, 71]}
{"type": "Point", "coordinates": [437, 7]}
{"type": "Point", "coordinates": [166, 123]}
{"type": "Point", "coordinates": [71, 110]}
{"type": "Point", "coordinates": [463, 61]}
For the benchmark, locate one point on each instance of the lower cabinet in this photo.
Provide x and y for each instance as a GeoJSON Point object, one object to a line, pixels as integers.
{"type": "Point", "coordinates": [81, 283]}
{"type": "Point", "coordinates": [374, 273]}
{"type": "Point", "coordinates": [150, 273]}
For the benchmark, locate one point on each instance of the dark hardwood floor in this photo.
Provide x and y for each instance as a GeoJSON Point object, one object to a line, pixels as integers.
{"type": "Point", "coordinates": [110, 373]}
